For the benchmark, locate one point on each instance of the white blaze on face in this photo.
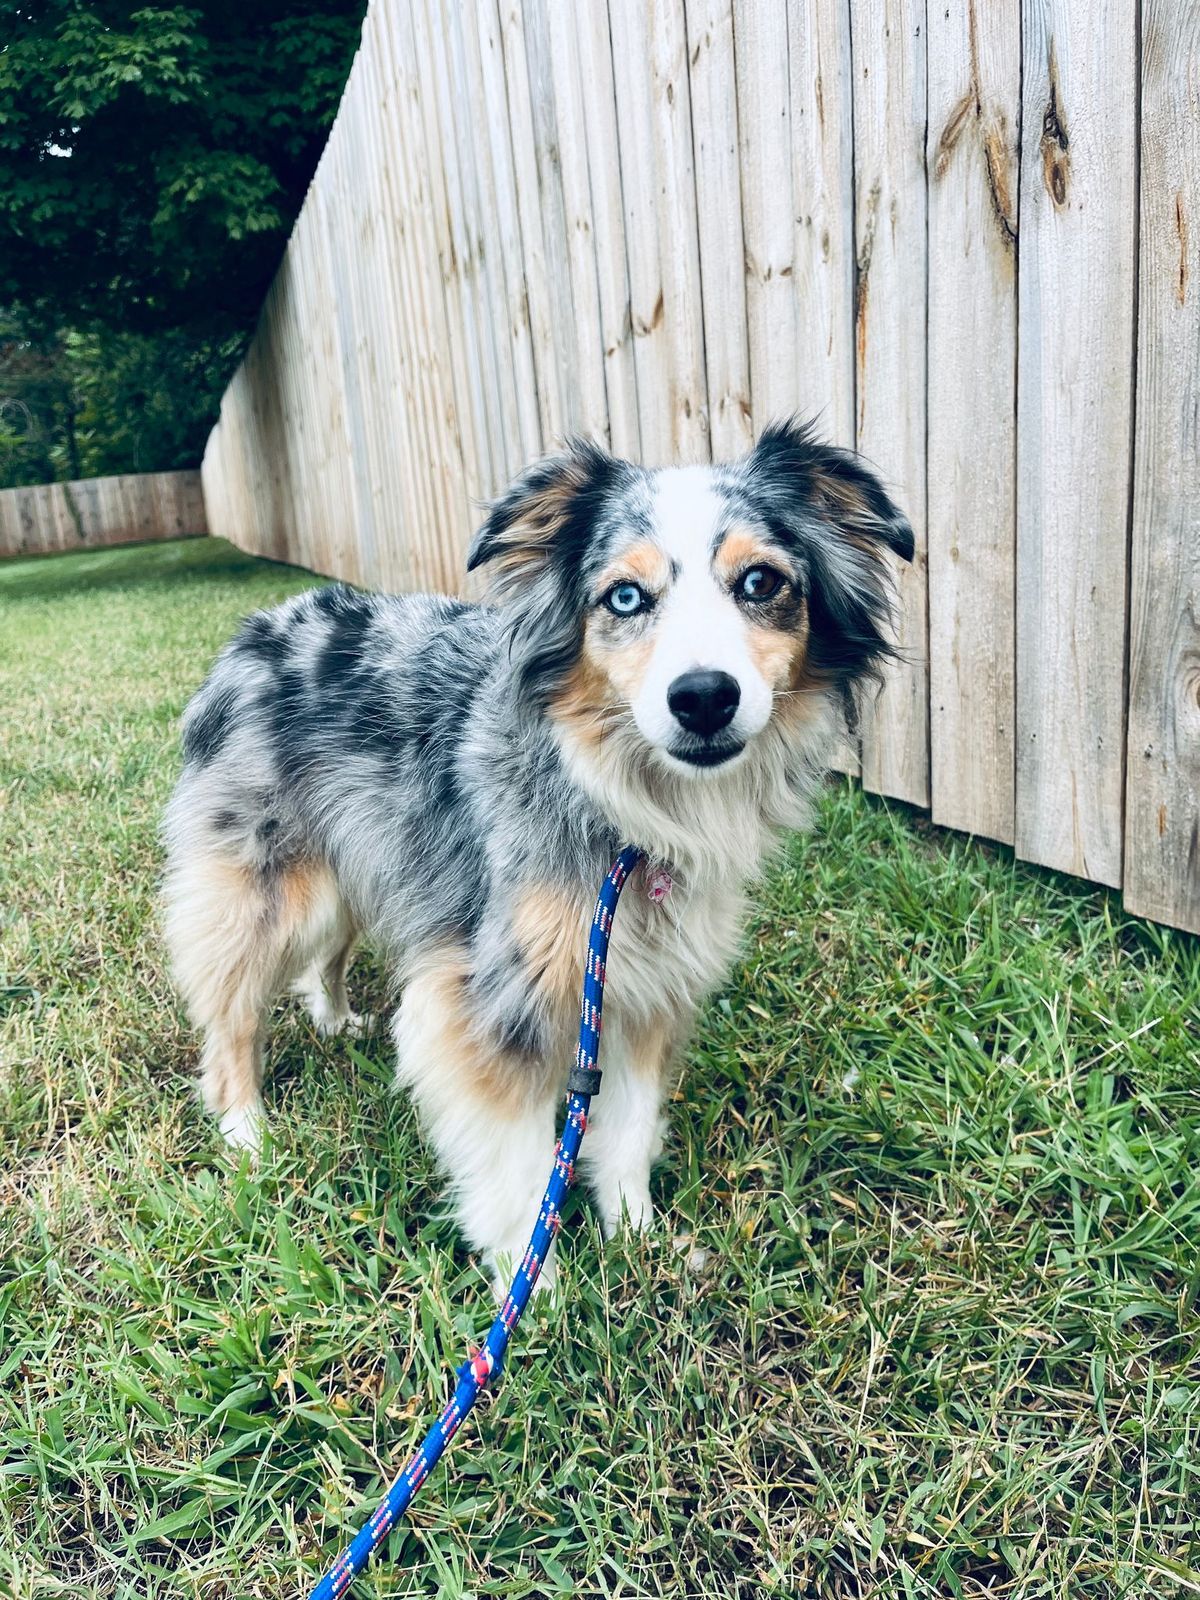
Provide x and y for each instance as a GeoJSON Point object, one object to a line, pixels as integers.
{"type": "Point", "coordinates": [697, 623]}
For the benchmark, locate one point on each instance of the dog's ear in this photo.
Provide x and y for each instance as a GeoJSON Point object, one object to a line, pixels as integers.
{"type": "Point", "coordinates": [829, 505]}
{"type": "Point", "coordinates": [836, 482]}
{"type": "Point", "coordinates": [535, 539]}
{"type": "Point", "coordinates": [547, 509]}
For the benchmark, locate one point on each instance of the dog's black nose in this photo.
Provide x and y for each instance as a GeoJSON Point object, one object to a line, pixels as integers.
{"type": "Point", "coordinates": [704, 701]}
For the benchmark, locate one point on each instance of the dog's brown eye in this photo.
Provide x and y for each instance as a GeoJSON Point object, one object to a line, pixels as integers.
{"type": "Point", "coordinates": [626, 599]}
{"type": "Point", "coordinates": [759, 583]}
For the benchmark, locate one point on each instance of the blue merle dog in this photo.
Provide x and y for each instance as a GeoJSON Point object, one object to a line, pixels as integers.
{"type": "Point", "coordinates": [661, 664]}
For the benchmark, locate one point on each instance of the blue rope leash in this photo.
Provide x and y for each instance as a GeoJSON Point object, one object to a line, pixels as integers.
{"type": "Point", "coordinates": [478, 1369]}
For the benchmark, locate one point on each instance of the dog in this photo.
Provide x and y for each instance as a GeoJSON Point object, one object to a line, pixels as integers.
{"type": "Point", "coordinates": [661, 663]}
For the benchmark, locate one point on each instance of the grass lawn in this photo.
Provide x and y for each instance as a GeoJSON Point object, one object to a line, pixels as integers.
{"type": "Point", "coordinates": [941, 1136]}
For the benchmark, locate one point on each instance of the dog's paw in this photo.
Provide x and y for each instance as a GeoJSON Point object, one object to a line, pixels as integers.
{"type": "Point", "coordinates": [631, 1212]}
{"type": "Point", "coordinates": [330, 1023]}
{"type": "Point", "coordinates": [695, 1257]}
{"type": "Point", "coordinates": [244, 1128]}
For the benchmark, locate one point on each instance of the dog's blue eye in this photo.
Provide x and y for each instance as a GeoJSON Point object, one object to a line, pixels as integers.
{"type": "Point", "coordinates": [759, 583]}
{"type": "Point", "coordinates": [626, 599]}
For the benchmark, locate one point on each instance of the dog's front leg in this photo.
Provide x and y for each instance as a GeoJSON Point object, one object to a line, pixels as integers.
{"type": "Point", "coordinates": [625, 1122]}
{"type": "Point", "coordinates": [489, 1115]}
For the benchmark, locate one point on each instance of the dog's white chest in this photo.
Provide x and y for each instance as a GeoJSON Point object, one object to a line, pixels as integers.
{"type": "Point", "coordinates": [673, 943]}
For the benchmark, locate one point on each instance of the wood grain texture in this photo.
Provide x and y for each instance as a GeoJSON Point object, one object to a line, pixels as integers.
{"type": "Point", "coordinates": [639, 197]}
{"type": "Point", "coordinates": [458, 271]}
{"type": "Point", "coordinates": [405, 510]}
{"type": "Point", "coordinates": [351, 278]}
{"type": "Point", "coordinates": [567, 129]}
{"type": "Point", "coordinates": [888, 50]}
{"type": "Point", "coordinates": [438, 552]}
{"type": "Point", "coordinates": [269, 438]}
{"type": "Point", "coordinates": [820, 106]}
{"type": "Point", "coordinates": [820, 116]}
{"type": "Point", "coordinates": [1162, 816]}
{"type": "Point", "coordinates": [661, 237]}
{"type": "Point", "coordinates": [679, 244]}
{"type": "Point", "coordinates": [712, 80]}
{"type": "Point", "coordinates": [543, 289]}
{"type": "Point", "coordinates": [473, 248]}
{"type": "Point", "coordinates": [973, 172]}
{"type": "Point", "coordinates": [598, 104]}
{"type": "Point", "coordinates": [323, 453]}
{"type": "Point", "coordinates": [582, 407]}
{"type": "Point", "coordinates": [1074, 422]}
{"type": "Point", "coordinates": [403, 367]}
{"type": "Point", "coordinates": [765, 147]}
{"type": "Point", "coordinates": [487, 98]}
{"type": "Point", "coordinates": [93, 513]}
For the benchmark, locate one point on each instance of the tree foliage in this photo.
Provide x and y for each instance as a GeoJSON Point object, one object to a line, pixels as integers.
{"type": "Point", "coordinates": [152, 161]}
{"type": "Point", "coordinates": [77, 404]}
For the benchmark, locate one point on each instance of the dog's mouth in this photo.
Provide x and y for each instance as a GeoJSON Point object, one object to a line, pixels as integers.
{"type": "Point", "coordinates": [708, 755]}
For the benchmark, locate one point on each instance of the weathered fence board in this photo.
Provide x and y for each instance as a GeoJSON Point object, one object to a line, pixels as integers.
{"type": "Point", "coordinates": [713, 83]}
{"type": "Point", "coordinates": [545, 266]}
{"type": "Point", "coordinates": [1162, 818]}
{"type": "Point", "coordinates": [822, 202]}
{"type": "Point", "coordinates": [604, 166]}
{"type": "Point", "coordinates": [90, 513]}
{"type": "Point", "coordinates": [565, 139]}
{"type": "Point", "coordinates": [972, 165]}
{"type": "Point", "coordinates": [429, 341]}
{"type": "Point", "coordinates": [451, 148]}
{"type": "Point", "coordinates": [1074, 424]}
{"type": "Point", "coordinates": [822, 267]}
{"type": "Point", "coordinates": [664, 225]}
{"type": "Point", "coordinates": [765, 133]}
{"type": "Point", "coordinates": [661, 233]}
{"type": "Point", "coordinates": [501, 225]}
{"type": "Point", "coordinates": [888, 49]}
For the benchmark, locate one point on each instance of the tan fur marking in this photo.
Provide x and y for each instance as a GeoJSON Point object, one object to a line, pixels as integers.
{"type": "Point", "coordinates": [849, 508]}
{"type": "Point", "coordinates": [525, 542]}
{"type": "Point", "coordinates": [582, 702]}
{"type": "Point", "coordinates": [301, 890]}
{"type": "Point", "coordinates": [778, 656]}
{"type": "Point", "coordinates": [623, 665]}
{"type": "Point", "coordinates": [799, 676]}
{"type": "Point", "coordinates": [656, 1045]}
{"type": "Point", "coordinates": [597, 691]}
{"type": "Point", "coordinates": [646, 564]}
{"type": "Point", "coordinates": [741, 549]}
{"type": "Point", "coordinates": [803, 698]}
{"type": "Point", "coordinates": [235, 942]}
{"type": "Point", "coordinates": [551, 931]}
{"type": "Point", "coordinates": [438, 994]}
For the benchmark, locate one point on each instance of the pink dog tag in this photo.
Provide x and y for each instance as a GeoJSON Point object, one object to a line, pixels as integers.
{"type": "Point", "coordinates": [658, 884]}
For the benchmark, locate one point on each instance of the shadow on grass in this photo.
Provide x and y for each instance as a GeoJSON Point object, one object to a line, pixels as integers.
{"type": "Point", "coordinates": [1067, 895]}
{"type": "Point", "coordinates": [154, 569]}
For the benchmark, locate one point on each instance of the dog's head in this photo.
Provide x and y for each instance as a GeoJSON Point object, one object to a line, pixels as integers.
{"type": "Point", "coordinates": [691, 608]}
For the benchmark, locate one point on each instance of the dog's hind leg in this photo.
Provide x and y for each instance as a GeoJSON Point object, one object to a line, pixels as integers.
{"type": "Point", "coordinates": [323, 988]}
{"type": "Point", "coordinates": [237, 934]}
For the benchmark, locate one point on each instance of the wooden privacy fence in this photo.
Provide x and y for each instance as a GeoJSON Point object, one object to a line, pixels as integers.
{"type": "Point", "coordinates": [89, 513]}
{"type": "Point", "coordinates": [965, 234]}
